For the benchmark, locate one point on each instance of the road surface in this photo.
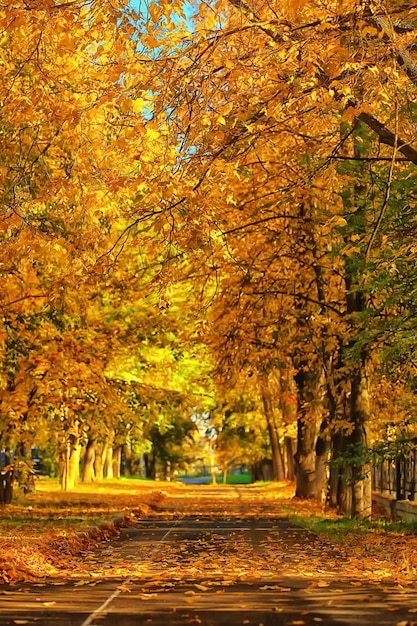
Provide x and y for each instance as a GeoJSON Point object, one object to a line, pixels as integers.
{"type": "Point", "coordinates": [217, 556]}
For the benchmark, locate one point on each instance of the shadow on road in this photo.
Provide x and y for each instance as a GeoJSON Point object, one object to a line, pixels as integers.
{"type": "Point", "coordinates": [215, 556]}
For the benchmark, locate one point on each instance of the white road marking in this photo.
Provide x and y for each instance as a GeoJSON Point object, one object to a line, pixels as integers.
{"type": "Point", "coordinates": [102, 609]}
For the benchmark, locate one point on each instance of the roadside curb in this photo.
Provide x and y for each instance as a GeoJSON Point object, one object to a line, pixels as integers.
{"type": "Point", "coordinates": [106, 528]}
{"type": "Point", "coordinates": [109, 528]}
{"type": "Point", "coordinates": [55, 551]}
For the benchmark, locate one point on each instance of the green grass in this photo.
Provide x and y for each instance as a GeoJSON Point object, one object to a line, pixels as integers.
{"type": "Point", "coordinates": [236, 479]}
{"type": "Point", "coordinates": [232, 479]}
{"type": "Point", "coordinates": [49, 509]}
{"type": "Point", "coordinates": [130, 479]}
{"type": "Point", "coordinates": [38, 526]}
{"type": "Point", "coordinates": [340, 529]}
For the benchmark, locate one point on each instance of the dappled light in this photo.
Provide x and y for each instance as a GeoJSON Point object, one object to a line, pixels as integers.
{"type": "Point", "coordinates": [48, 536]}
{"type": "Point", "coordinates": [202, 552]}
{"type": "Point", "coordinates": [208, 311]}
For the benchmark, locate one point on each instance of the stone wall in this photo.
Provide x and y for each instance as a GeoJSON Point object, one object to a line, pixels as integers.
{"type": "Point", "coordinates": [403, 509]}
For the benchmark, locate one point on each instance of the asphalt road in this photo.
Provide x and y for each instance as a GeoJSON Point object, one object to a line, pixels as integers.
{"type": "Point", "coordinates": [219, 558]}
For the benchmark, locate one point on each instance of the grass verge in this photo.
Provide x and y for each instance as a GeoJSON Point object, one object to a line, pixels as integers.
{"type": "Point", "coordinates": [392, 545]}
{"type": "Point", "coordinates": [344, 528]}
{"type": "Point", "coordinates": [380, 543]}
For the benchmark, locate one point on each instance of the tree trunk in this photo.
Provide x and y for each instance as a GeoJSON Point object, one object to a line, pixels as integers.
{"type": "Point", "coordinates": [335, 477]}
{"type": "Point", "coordinates": [345, 503]}
{"type": "Point", "coordinates": [116, 461]}
{"type": "Point", "coordinates": [277, 459]}
{"type": "Point", "coordinates": [307, 429]}
{"type": "Point", "coordinates": [168, 471]}
{"type": "Point", "coordinates": [213, 469]}
{"type": "Point", "coordinates": [7, 476]}
{"type": "Point", "coordinates": [88, 474]}
{"type": "Point", "coordinates": [338, 404]}
{"type": "Point", "coordinates": [98, 463]}
{"type": "Point", "coordinates": [358, 475]}
{"type": "Point", "coordinates": [360, 414]}
{"type": "Point", "coordinates": [63, 466]}
{"type": "Point", "coordinates": [305, 459]}
{"type": "Point", "coordinates": [127, 457]}
{"type": "Point", "coordinates": [322, 456]}
{"type": "Point", "coordinates": [6, 487]}
{"type": "Point", "coordinates": [289, 458]}
{"type": "Point", "coordinates": [256, 471]}
{"type": "Point", "coordinates": [108, 462]}
{"type": "Point", "coordinates": [149, 462]}
{"type": "Point", "coordinates": [73, 461]}
{"type": "Point", "coordinates": [143, 466]}
{"type": "Point", "coordinates": [350, 481]}
{"type": "Point", "coordinates": [367, 492]}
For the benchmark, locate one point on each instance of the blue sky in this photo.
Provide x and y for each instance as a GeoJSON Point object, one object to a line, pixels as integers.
{"type": "Point", "coordinates": [141, 5]}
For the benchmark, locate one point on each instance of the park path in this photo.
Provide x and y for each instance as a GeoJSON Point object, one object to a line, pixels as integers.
{"type": "Point", "coordinates": [217, 556]}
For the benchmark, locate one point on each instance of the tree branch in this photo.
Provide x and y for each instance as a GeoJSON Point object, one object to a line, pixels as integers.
{"type": "Point", "coordinates": [371, 159]}
{"type": "Point", "coordinates": [265, 219]}
{"type": "Point", "coordinates": [299, 296]}
{"type": "Point", "coordinates": [389, 138]}
{"type": "Point", "coordinates": [403, 58]}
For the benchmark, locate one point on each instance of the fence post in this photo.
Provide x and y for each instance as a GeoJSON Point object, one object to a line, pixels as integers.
{"type": "Point", "coordinates": [398, 478]}
{"type": "Point", "coordinates": [413, 476]}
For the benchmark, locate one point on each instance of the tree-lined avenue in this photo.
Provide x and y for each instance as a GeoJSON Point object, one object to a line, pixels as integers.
{"type": "Point", "coordinates": [208, 219]}
{"type": "Point", "coordinates": [218, 557]}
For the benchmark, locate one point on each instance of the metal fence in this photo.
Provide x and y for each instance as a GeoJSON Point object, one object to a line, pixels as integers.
{"type": "Point", "coordinates": [397, 477]}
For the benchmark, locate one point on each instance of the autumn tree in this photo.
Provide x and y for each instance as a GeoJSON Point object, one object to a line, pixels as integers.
{"type": "Point", "coordinates": [264, 152]}
{"type": "Point", "coordinates": [75, 120]}
{"type": "Point", "coordinates": [269, 99]}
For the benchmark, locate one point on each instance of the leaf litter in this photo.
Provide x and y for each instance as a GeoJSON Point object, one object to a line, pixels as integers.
{"type": "Point", "coordinates": [212, 561]}
{"type": "Point", "coordinates": [39, 547]}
